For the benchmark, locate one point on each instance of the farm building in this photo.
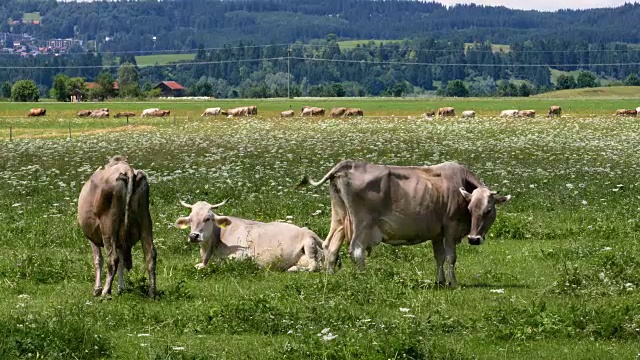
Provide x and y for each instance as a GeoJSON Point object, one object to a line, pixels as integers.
{"type": "Point", "coordinates": [170, 89]}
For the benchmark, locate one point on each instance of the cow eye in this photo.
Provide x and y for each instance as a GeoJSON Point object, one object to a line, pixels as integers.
{"type": "Point", "coordinates": [207, 219]}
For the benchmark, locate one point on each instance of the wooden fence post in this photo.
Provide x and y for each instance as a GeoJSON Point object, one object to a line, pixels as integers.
{"type": "Point", "coordinates": [127, 120]}
{"type": "Point", "coordinates": [69, 129]}
{"type": "Point", "coordinates": [10, 132]}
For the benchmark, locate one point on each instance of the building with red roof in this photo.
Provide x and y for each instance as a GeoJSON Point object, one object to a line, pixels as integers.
{"type": "Point", "coordinates": [170, 89]}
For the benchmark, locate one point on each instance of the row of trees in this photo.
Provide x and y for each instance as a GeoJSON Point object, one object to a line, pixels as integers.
{"type": "Point", "coordinates": [325, 67]}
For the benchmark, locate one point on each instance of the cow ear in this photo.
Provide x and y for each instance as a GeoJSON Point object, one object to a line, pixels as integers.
{"type": "Point", "coordinates": [222, 221]}
{"type": "Point", "coordinates": [465, 194]}
{"type": "Point", "coordinates": [501, 199]}
{"type": "Point", "coordinates": [182, 223]}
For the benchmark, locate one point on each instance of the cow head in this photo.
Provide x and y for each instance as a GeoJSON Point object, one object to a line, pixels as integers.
{"type": "Point", "coordinates": [482, 207]}
{"type": "Point", "coordinates": [202, 220]}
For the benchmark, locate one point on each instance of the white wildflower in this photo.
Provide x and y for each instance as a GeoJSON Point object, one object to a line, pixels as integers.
{"type": "Point", "coordinates": [497, 291]}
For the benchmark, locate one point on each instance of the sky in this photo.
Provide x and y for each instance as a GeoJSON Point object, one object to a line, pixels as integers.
{"type": "Point", "coordinates": [545, 5]}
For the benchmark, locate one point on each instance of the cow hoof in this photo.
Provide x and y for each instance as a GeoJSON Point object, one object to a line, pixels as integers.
{"type": "Point", "coordinates": [200, 266]}
{"type": "Point", "coordinates": [97, 291]}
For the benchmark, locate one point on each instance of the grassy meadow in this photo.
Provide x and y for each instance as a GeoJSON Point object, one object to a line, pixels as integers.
{"type": "Point", "coordinates": [557, 278]}
{"type": "Point", "coordinates": [162, 59]}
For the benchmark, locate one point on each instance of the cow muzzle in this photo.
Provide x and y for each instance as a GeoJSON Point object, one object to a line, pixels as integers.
{"type": "Point", "coordinates": [195, 237]}
{"type": "Point", "coordinates": [475, 240]}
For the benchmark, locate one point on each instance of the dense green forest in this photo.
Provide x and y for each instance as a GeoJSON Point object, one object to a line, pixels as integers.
{"type": "Point", "coordinates": [430, 49]}
{"type": "Point", "coordinates": [181, 24]}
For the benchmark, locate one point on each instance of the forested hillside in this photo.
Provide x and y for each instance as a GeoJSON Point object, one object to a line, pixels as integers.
{"type": "Point", "coordinates": [181, 24]}
{"type": "Point", "coordinates": [247, 47]}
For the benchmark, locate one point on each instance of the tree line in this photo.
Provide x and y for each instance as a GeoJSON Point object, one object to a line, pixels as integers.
{"type": "Point", "coordinates": [324, 67]}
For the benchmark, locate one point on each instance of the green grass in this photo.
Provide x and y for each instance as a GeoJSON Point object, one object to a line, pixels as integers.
{"type": "Point", "coordinates": [494, 47]}
{"type": "Point", "coordinates": [350, 44]}
{"type": "Point", "coordinates": [32, 16]}
{"type": "Point", "coordinates": [604, 102]}
{"type": "Point", "coordinates": [564, 249]}
{"type": "Point", "coordinates": [162, 59]}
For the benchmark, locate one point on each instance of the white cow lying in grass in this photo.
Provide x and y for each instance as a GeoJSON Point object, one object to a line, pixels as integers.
{"type": "Point", "coordinates": [147, 112]}
{"type": "Point", "coordinates": [275, 245]}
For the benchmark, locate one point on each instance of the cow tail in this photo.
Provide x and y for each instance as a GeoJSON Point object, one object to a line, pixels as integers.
{"type": "Point", "coordinates": [131, 177]}
{"type": "Point", "coordinates": [346, 164]}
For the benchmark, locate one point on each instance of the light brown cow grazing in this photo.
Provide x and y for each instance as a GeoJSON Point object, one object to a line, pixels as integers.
{"type": "Point", "coordinates": [353, 112]}
{"type": "Point", "coordinates": [527, 113]}
{"type": "Point", "coordinates": [252, 110]}
{"type": "Point", "coordinates": [239, 111]}
{"type": "Point", "coordinates": [406, 205]}
{"type": "Point", "coordinates": [161, 113]}
{"type": "Point", "coordinates": [37, 112]}
{"type": "Point", "coordinates": [554, 110]}
{"type": "Point", "coordinates": [446, 111]}
{"type": "Point", "coordinates": [311, 111]}
{"type": "Point", "coordinates": [124, 114]}
{"type": "Point", "coordinates": [212, 111]}
{"type": "Point", "coordinates": [83, 113]}
{"type": "Point", "coordinates": [276, 245]}
{"type": "Point", "coordinates": [335, 112]}
{"type": "Point", "coordinates": [287, 113]}
{"type": "Point", "coordinates": [626, 112]}
{"type": "Point", "coordinates": [99, 114]}
{"type": "Point", "coordinates": [113, 212]}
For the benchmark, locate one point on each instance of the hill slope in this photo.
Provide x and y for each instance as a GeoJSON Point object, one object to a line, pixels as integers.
{"type": "Point", "coordinates": [613, 92]}
{"type": "Point", "coordinates": [188, 23]}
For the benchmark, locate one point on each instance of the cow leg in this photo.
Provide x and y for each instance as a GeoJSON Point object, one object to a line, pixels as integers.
{"type": "Point", "coordinates": [450, 254]}
{"type": "Point", "coordinates": [361, 244]}
{"type": "Point", "coordinates": [112, 262]}
{"type": "Point", "coordinates": [150, 255]}
{"type": "Point", "coordinates": [332, 246]}
{"type": "Point", "coordinates": [97, 264]}
{"type": "Point", "coordinates": [120, 273]}
{"type": "Point", "coordinates": [439, 254]}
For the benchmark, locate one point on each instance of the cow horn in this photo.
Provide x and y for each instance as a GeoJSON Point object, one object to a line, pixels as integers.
{"type": "Point", "coordinates": [185, 204]}
{"type": "Point", "coordinates": [220, 204]}
{"type": "Point", "coordinates": [494, 193]}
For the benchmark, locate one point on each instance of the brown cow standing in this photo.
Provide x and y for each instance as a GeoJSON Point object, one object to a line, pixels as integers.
{"type": "Point", "coordinates": [99, 113]}
{"type": "Point", "coordinates": [554, 110]}
{"type": "Point", "coordinates": [335, 112]}
{"type": "Point", "coordinates": [161, 113]}
{"type": "Point", "coordinates": [527, 113]}
{"type": "Point", "coordinates": [239, 111]}
{"type": "Point", "coordinates": [37, 112]}
{"type": "Point", "coordinates": [406, 205]}
{"type": "Point", "coordinates": [113, 212]}
{"type": "Point", "coordinates": [124, 114]}
{"type": "Point", "coordinates": [446, 111]}
{"type": "Point", "coordinates": [311, 111]}
{"type": "Point", "coordinates": [626, 112]}
{"type": "Point", "coordinates": [353, 112]}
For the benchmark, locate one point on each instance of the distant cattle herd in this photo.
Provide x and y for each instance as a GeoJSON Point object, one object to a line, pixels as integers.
{"type": "Point", "coordinates": [318, 111]}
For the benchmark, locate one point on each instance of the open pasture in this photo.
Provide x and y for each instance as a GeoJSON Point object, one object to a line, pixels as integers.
{"type": "Point", "coordinates": [604, 103]}
{"type": "Point", "coordinates": [558, 277]}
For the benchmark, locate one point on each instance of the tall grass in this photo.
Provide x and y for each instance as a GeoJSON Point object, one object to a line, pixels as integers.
{"type": "Point", "coordinates": [562, 258]}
